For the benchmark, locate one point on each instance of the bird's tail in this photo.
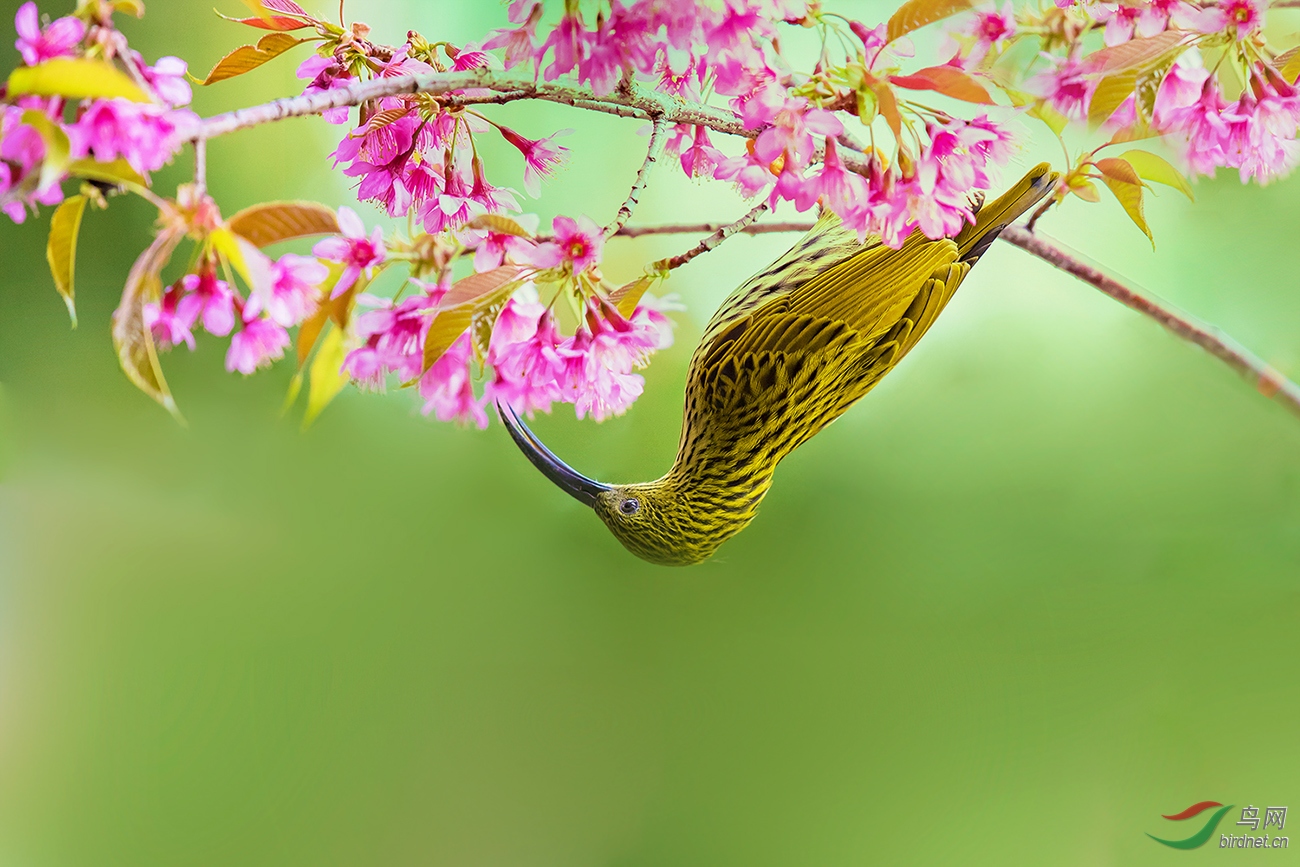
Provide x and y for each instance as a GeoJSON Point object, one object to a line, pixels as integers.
{"type": "Point", "coordinates": [995, 216]}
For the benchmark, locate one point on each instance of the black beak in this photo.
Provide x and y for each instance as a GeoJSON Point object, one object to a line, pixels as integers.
{"type": "Point", "coordinates": [569, 480]}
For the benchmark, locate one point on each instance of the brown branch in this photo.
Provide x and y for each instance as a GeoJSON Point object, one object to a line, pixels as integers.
{"type": "Point", "coordinates": [653, 151]}
{"type": "Point", "coordinates": [707, 244]}
{"type": "Point", "coordinates": [1270, 382]}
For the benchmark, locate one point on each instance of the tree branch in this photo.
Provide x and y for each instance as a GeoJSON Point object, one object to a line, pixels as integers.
{"type": "Point", "coordinates": [711, 241]}
{"type": "Point", "coordinates": [653, 152]}
{"type": "Point", "coordinates": [636, 101]}
{"type": "Point", "coordinates": [1270, 382]}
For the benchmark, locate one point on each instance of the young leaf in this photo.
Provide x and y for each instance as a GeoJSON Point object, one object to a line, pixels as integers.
{"type": "Point", "coordinates": [626, 297]}
{"type": "Point", "coordinates": [117, 172]}
{"type": "Point", "coordinates": [1110, 95]}
{"type": "Point", "coordinates": [1124, 182]}
{"type": "Point", "coordinates": [74, 78]}
{"type": "Point", "coordinates": [456, 311]}
{"type": "Point", "coordinates": [131, 337]}
{"type": "Point", "coordinates": [61, 249]}
{"type": "Point", "coordinates": [498, 223]}
{"type": "Point", "coordinates": [1038, 108]}
{"type": "Point", "coordinates": [283, 25]}
{"type": "Point", "coordinates": [273, 222]}
{"type": "Point", "coordinates": [1153, 168]}
{"type": "Point", "coordinates": [248, 57]}
{"type": "Point", "coordinates": [1136, 53]}
{"type": "Point", "coordinates": [327, 376]}
{"type": "Point", "coordinates": [58, 150]}
{"type": "Point", "coordinates": [1288, 64]}
{"type": "Point", "coordinates": [917, 13]}
{"type": "Point", "coordinates": [287, 7]}
{"type": "Point", "coordinates": [887, 105]}
{"type": "Point", "coordinates": [947, 80]}
{"type": "Point", "coordinates": [1086, 190]}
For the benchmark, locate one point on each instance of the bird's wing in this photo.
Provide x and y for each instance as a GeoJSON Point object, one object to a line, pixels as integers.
{"type": "Point", "coordinates": [782, 372]}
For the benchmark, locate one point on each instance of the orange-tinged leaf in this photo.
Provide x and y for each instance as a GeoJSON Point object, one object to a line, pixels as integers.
{"type": "Point", "coordinates": [278, 23]}
{"type": "Point", "coordinates": [1135, 53]}
{"type": "Point", "coordinates": [466, 297]}
{"type": "Point", "coordinates": [887, 105]}
{"type": "Point", "coordinates": [1124, 183]}
{"type": "Point", "coordinates": [1110, 94]}
{"type": "Point", "coordinates": [1135, 132]}
{"type": "Point", "coordinates": [248, 57]}
{"type": "Point", "coordinates": [61, 249]}
{"type": "Point", "coordinates": [947, 80]}
{"type": "Point", "coordinates": [1150, 167]}
{"type": "Point", "coordinates": [131, 337]}
{"type": "Point", "coordinates": [117, 172]}
{"type": "Point", "coordinates": [273, 222]}
{"type": "Point", "coordinates": [388, 117]}
{"type": "Point", "coordinates": [74, 78]}
{"type": "Point", "coordinates": [918, 13]}
{"type": "Point", "coordinates": [327, 378]}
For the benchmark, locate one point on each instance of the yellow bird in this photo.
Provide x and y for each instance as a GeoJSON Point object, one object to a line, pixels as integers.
{"type": "Point", "coordinates": [786, 354]}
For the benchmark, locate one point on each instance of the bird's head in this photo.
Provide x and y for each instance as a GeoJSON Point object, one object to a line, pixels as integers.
{"type": "Point", "coordinates": [653, 520]}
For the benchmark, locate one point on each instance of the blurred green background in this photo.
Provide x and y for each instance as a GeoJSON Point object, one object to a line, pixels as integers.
{"type": "Point", "coordinates": [1036, 590]}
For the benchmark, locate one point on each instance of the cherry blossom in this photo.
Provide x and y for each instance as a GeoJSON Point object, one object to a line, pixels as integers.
{"type": "Point", "coordinates": [357, 253]}
{"type": "Point", "coordinates": [36, 45]}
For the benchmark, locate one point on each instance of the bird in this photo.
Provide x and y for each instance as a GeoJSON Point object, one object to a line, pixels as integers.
{"type": "Point", "coordinates": [785, 355]}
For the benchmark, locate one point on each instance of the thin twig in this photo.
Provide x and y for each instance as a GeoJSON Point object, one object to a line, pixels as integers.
{"type": "Point", "coordinates": [698, 228]}
{"type": "Point", "coordinates": [1268, 381]}
{"type": "Point", "coordinates": [653, 151]}
{"type": "Point", "coordinates": [711, 241]}
{"type": "Point", "coordinates": [201, 165]}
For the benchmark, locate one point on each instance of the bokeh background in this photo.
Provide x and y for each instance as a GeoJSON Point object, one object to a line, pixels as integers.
{"type": "Point", "coordinates": [1036, 590]}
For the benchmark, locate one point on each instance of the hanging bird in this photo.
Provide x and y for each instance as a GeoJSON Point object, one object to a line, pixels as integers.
{"type": "Point", "coordinates": [786, 354]}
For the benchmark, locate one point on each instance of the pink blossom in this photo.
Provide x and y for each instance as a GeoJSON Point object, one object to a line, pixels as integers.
{"type": "Point", "coordinates": [471, 56]}
{"type": "Point", "coordinates": [1067, 87]}
{"type": "Point", "coordinates": [487, 198]}
{"type": "Point", "coordinates": [519, 43]}
{"type": "Point", "coordinates": [209, 299]}
{"type": "Point", "coordinates": [60, 39]}
{"type": "Point", "coordinates": [394, 338]}
{"type": "Point", "coordinates": [491, 248]}
{"type": "Point", "coordinates": [256, 345]}
{"type": "Point", "coordinates": [1266, 146]}
{"type": "Point", "coordinates": [356, 252]}
{"type": "Point", "coordinates": [453, 207]}
{"type": "Point", "coordinates": [167, 78]}
{"type": "Point", "coordinates": [750, 174]}
{"type": "Point", "coordinates": [792, 130]}
{"type": "Point", "coordinates": [168, 326]}
{"type": "Point", "coordinates": [525, 361]}
{"type": "Point", "coordinates": [566, 41]}
{"type": "Point", "coordinates": [1241, 16]}
{"type": "Point", "coordinates": [540, 157]}
{"type": "Point", "coordinates": [577, 242]}
{"type": "Point", "coordinates": [291, 290]}
{"type": "Point", "coordinates": [22, 155]}
{"type": "Point", "coordinates": [448, 389]}
{"type": "Point", "coordinates": [701, 159]}
{"type": "Point", "coordinates": [1205, 127]}
{"type": "Point", "coordinates": [990, 30]}
{"type": "Point", "coordinates": [1120, 21]}
{"type": "Point", "coordinates": [841, 190]}
{"type": "Point", "coordinates": [1180, 88]}
{"type": "Point", "coordinates": [598, 361]}
{"type": "Point", "coordinates": [146, 136]}
{"type": "Point", "coordinates": [325, 73]}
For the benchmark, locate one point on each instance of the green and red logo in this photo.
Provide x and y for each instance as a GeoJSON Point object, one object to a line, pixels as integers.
{"type": "Point", "coordinates": [1206, 832]}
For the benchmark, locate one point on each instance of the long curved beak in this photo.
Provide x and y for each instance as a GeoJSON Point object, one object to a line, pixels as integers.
{"type": "Point", "coordinates": [569, 480]}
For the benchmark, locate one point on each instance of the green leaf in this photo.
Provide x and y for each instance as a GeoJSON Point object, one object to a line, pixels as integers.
{"type": "Point", "coordinates": [456, 311]}
{"type": "Point", "coordinates": [1136, 53]}
{"type": "Point", "coordinates": [917, 13]}
{"type": "Point", "coordinates": [117, 172]}
{"type": "Point", "coordinates": [61, 249]}
{"type": "Point", "coordinates": [1153, 168]}
{"type": "Point", "coordinates": [1124, 183]}
{"type": "Point", "coordinates": [273, 222]}
{"type": "Point", "coordinates": [246, 58]}
{"type": "Point", "coordinates": [1110, 95]}
{"type": "Point", "coordinates": [74, 78]}
{"type": "Point", "coordinates": [58, 150]}
{"type": "Point", "coordinates": [327, 376]}
{"type": "Point", "coordinates": [131, 338]}
{"type": "Point", "coordinates": [626, 297]}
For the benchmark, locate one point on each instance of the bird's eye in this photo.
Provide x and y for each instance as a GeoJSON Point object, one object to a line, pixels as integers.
{"type": "Point", "coordinates": [630, 506]}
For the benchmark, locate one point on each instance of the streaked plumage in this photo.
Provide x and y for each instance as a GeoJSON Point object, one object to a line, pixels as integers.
{"type": "Point", "coordinates": [785, 355]}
